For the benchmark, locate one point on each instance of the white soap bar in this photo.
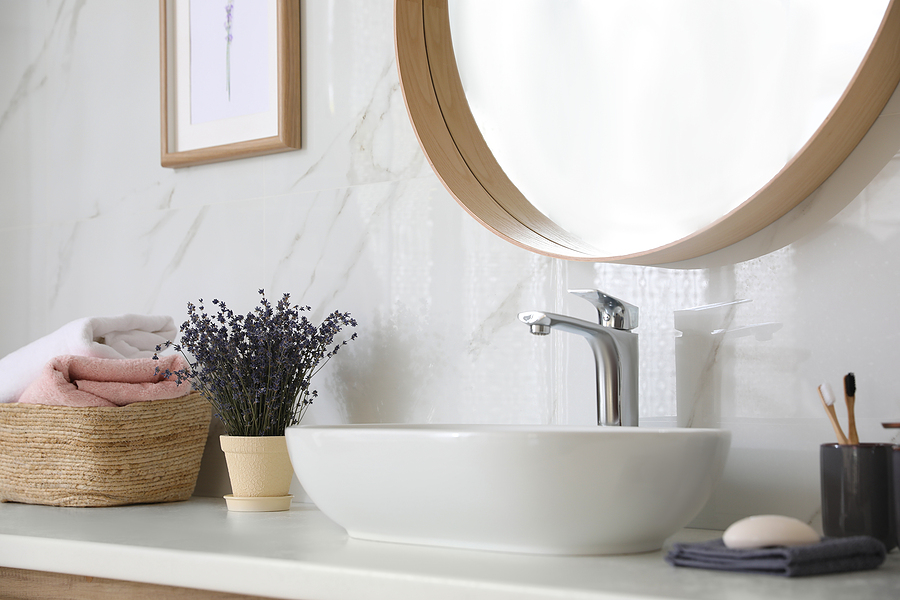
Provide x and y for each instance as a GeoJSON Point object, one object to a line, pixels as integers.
{"type": "Point", "coordinates": [769, 530]}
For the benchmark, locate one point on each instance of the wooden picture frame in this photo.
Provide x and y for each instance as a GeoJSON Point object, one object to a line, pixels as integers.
{"type": "Point", "coordinates": [260, 114]}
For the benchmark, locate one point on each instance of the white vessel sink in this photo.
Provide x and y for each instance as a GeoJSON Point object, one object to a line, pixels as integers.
{"type": "Point", "coordinates": [519, 488]}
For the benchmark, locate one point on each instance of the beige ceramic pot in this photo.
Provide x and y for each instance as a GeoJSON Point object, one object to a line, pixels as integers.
{"type": "Point", "coordinates": [257, 466]}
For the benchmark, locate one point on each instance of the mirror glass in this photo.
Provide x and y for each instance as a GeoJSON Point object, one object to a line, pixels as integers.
{"type": "Point", "coordinates": [634, 124]}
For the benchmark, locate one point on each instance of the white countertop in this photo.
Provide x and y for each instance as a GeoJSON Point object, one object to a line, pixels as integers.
{"type": "Point", "coordinates": [302, 554]}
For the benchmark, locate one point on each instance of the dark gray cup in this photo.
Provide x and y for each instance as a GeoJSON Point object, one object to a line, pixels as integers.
{"type": "Point", "coordinates": [895, 499]}
{"type": "Point", "coordinates": [857, 482]}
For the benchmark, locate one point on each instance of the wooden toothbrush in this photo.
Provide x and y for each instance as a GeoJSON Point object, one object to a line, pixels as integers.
{"type": "Point", "coordinates": [827, 397]}
{"type": "Point", "coordinates": [850, 398]}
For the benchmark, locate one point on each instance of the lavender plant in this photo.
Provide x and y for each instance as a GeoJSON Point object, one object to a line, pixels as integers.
{"type": "Point", "coordinates": [256, 368]}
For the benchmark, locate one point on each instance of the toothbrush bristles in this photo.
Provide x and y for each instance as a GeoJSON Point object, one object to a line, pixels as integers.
{"type": "Point", "coordinates": [828, 401]}
{"type": "Point", "coordinates": [827, 394]}
{"type": "Point", "coordinates": [850, 385]}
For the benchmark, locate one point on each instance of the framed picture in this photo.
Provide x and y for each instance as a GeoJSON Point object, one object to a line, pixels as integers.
{"type": "Point", "coordinates": [229, 79]}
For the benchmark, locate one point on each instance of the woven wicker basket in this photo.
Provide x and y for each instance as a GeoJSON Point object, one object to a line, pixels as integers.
{"type": "Point", "coordinates": [102, 456]}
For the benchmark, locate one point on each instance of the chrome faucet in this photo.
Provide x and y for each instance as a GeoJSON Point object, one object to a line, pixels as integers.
{"type": "Point", "coordinates": [615, 350]}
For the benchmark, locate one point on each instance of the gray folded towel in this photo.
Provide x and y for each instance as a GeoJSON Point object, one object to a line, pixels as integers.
{"type": "Point", "coordinates": [831, 555]}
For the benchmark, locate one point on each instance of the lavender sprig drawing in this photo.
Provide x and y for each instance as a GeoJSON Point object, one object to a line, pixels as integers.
{"type": "Point", "coordinates": [229, 17]}
{"type": "Point", "coordinates": [255, 369]}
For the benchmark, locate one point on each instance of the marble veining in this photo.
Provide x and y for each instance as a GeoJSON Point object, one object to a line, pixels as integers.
{"type": "Point", "coordinates": [35, 75]}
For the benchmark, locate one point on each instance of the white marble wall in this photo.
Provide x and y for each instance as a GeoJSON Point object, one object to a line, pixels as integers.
{"type": "Point", "coordinates": [91, 224]}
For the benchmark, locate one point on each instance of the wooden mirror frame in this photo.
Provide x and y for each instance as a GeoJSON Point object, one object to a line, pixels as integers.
{"type": "Point", "coordinates": [449, 136]}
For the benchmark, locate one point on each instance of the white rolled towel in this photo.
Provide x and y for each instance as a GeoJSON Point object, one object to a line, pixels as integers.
{"type": "Point", "coordinates": [124, 336]}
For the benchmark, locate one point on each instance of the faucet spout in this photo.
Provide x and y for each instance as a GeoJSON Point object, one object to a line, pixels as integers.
{"type": "Point", "coordinates": [615, 359]}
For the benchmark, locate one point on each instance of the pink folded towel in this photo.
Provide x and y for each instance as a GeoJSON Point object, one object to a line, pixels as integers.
{"type": "Point", "coordinates": [87, 381]}
{"type": "Point", "coordinates": [124, 336]}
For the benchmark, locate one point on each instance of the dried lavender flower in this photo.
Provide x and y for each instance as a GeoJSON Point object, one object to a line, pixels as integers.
{"type": "Point", "coordinates": [256, 368]}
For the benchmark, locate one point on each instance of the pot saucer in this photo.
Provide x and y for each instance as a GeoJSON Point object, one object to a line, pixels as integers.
{"type": "Point", "coordinates": [258, 503]}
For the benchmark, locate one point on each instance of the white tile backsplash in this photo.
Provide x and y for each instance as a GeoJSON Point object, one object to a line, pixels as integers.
{"type": "Point", "coordinates": [355, 220]}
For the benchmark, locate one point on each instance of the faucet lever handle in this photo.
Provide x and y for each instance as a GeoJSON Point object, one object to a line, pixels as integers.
{"type": "Point", "coordinates": [613, 312]}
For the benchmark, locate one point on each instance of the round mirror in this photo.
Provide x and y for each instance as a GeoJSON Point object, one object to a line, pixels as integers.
{"type": "Point", "coordinates": [645, 133]}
